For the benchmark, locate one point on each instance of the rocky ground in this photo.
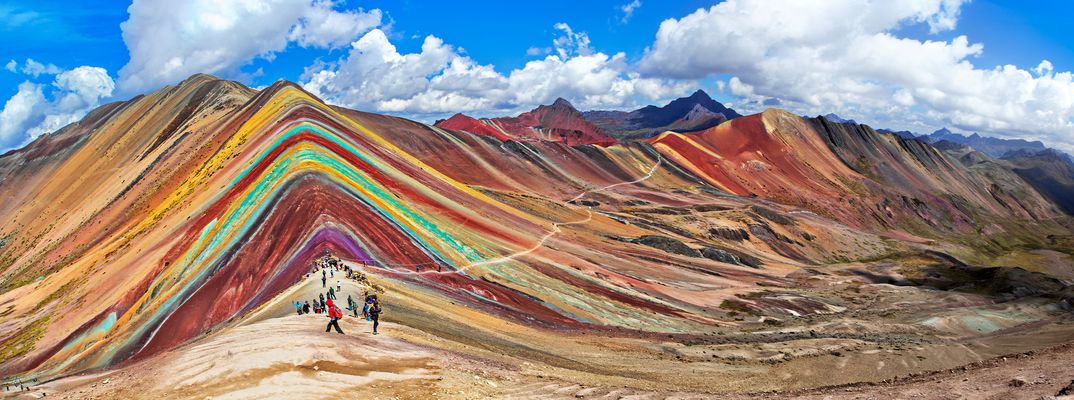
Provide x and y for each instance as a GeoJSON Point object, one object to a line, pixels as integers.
{"type": "Point", "coordinates": [272, 353]}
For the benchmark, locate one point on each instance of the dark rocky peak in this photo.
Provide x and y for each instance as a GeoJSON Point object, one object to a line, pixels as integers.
{"type": "Point", "coordinates": [562, 103]}
{"type": "Point", "coordinates": [700, 95]}
{"type": "Point", "coordinates": [837, 119]}
{"type": "Point", "coordinates": [942, 132]}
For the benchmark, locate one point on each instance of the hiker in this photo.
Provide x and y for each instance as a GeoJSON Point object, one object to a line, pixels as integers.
{"type": "Point", "coordinates": [298, 307]}
{"type": "Point", "coordinates": [321, 296]}
{"type": "Point", "coordinates": [374, 314]}
{"type": "Point", "coordinates": [339, 286]}
{"type": "Point", "coordinates": [334, 315]}
{"type": "Point", "coordinates": [306, 308]}
{"type": "Point", "coordinates": [365, 306]}
{"type": "Point", "coordinates": [354, 306]}
{"type": "Point", "coordinates": [324, 281]}
{"type": "Point", "coordinates": [331, 293]}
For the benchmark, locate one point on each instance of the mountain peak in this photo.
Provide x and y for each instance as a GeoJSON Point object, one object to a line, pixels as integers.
{"type": "Point", "coordinates": [837, 119]}
{"type": "Point", "coordinates": [942, 131]}
{"type": "Point", "coordinates": [199, 77]}
{"type": "Point", "coordinates": [700, 95]}
{"type": "Point", "coordinates": [561, 102]}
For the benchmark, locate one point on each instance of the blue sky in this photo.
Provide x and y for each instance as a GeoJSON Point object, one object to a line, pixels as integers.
{"type": "Point", "coordinates": [604, 48]}
{"type": "Point", "coordinates": [89, 33]}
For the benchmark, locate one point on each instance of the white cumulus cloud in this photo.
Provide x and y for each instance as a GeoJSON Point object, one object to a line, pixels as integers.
{"type": "Point", "coordinates": [31, 113]}
{"type": "Point", "coordinates": [847, 56]}
{"type": "Point", "coordinates": [35, 69]}
{"type": "Point", "coordinates": [19, 109]}
{"type": "Point", "coordinates": [441, 79]}
{"type": "Point", "coordinates": [171, 40]}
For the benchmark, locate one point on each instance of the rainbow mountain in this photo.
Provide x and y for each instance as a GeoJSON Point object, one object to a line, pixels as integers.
{"type": "Point", "coordinates": [154, 222]}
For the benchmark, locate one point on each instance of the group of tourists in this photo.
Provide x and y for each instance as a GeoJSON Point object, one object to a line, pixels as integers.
{"type": "Point", "coordinates": [325, 303]}
{"type": "Point", "coordinates": [12, 385]}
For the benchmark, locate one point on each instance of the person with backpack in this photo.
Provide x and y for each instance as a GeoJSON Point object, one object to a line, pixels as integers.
{"type": "Point", "coordinates": [334, 315]}
{"type": "Point", "coordinates": [331, 293]}
{"type": "Point", "coordinates": [366, 305]}
{"type": "Point", "coordinates": [306, 307]}
{"type": "Point", "coordinates": [298, 307]}
{"type": "Point", "coordinates": [374, 314]}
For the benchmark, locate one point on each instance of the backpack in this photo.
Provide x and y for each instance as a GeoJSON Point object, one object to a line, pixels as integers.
{"type": "Point", "coordinates": [335, 312]}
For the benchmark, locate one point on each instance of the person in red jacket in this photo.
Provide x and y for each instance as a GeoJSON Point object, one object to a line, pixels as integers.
{"type": "Point", "coordinates": [334, 315]}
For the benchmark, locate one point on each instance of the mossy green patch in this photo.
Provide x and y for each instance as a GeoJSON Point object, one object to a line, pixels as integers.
{"type": "Point", "coordinates": [23, 341]}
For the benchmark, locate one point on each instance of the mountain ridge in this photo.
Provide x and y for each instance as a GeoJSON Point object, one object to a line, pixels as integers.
{"type": "Point", "coordinates": [651, 120]}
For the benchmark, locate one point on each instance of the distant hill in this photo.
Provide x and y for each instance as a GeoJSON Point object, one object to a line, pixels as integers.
{"type": "Point", "coordinates": [686, 114]}
{"type": "Point", "coordinates": [559, 122]}
{"type": "Point", "coordinates": [836, 118]}
{"type": "Point", "coordinates": [994, 147]}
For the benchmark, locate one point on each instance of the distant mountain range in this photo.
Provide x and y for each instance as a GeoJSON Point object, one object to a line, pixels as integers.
{"type": "Point", "coordinates": [945, 139]}
{"type": "Point", "coordinates": [561, 122]}
{"type": "Point", "coordinates": [994, 147]}
{"type": "Point", "coordinates": [686, 114]}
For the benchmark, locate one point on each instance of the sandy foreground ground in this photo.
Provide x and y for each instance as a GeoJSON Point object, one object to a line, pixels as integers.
{"type": "Point", "coordinates": [274, 354]}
